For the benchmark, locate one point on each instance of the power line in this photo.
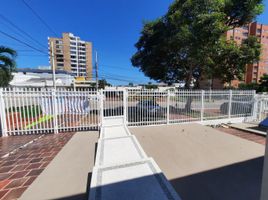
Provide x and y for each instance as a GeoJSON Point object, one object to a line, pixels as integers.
{"type": "Point", "coordinates": [116, 75]}
{"type": "Point", "coordinates": [118, 79]}
{"type": "Point", "coordinates": [115, 79]}
{"type": "Point", "coordinates": [24, 50]}
{"type": "Point", "coordinates": [13, 30]}
{"type": "Point", "coordinates": [18, 40]}
{"type": "Point", "coordinates": [22, 31]}
{"type": "Point", "coordinates": [31, 55]}
{"type": "Point", "coordinates": [39, 17]}
{"type": "Point", "coordinates": [114, 66]}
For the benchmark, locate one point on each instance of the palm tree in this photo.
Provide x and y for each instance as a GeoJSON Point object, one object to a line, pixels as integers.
{"type": "Point", "coordinates": [7, 65]}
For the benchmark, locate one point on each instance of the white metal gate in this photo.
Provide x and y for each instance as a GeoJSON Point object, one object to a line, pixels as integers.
{"type": "Point", "coordinates": [113, 108]}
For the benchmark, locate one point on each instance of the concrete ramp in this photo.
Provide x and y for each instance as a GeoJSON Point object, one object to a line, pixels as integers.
{"type": "Point", "coordinates": [123, 170]}
{"type": "Point", "coordinates": [113, 151]}
{"type": "Point", "coordinates": [114, 131]}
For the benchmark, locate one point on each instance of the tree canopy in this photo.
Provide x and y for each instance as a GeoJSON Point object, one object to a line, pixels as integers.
{"type": "Point", "coordinates": [189, 41]}
{"type": "Point", "coordinates": [7, 65]}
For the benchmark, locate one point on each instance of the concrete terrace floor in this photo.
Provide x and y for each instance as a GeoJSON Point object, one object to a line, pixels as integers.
{"type": "Point", "coordinates": [200, 162]}
{"type": "Point", "coordinates": [204, 163]}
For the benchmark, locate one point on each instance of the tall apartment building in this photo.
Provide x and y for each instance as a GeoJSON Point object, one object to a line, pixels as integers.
{"type": "Point", "coordinates": [72, 54]}
{"type": "Point", "coordinates": [256, 70]}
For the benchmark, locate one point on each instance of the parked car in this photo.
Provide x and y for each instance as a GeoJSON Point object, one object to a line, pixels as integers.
{"type": "Point", "coordinates": [150, 108]}
{"type": "Point", "coordinates": [146, 110]}
{"type": "Point", "coordinates": [237, 108]}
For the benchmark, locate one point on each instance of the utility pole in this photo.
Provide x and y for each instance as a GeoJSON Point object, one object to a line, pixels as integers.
{"type": "Point", "coordinates": [96, 71]}
{"type": "Point", "coordinates": [53, 66]}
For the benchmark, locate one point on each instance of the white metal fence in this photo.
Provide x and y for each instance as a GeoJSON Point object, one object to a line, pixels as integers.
{"type": "Point", "coordinates": [170, 107]}
{"type": "Point", "coordinates": [33, 111]}
{"type": "Point", "coordinates": [261, 107]}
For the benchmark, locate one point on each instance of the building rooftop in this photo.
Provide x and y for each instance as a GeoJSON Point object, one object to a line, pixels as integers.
{"type": "Point", "coordinates": [39, 71]}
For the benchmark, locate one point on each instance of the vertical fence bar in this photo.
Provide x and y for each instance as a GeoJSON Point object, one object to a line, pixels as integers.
{"type": "Point", "coordinates": [230, 104]}
{"type": "Point", "coordinates": [3, 115]}
{"type": "Point", "coordinates": [101, 98]}
{"type": "Point", "coordinates": [202, 105]}
{"type": "Point", "coordinates": [125, 107]}
{"type": "Point", "coordinates": [260, 108]}
{"type": "Point", "coordinates": [168, 105]}
{"type": "Point", "coordinates": [55, 114]}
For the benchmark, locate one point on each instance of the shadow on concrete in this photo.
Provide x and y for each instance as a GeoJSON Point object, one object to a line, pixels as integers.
{"type": "Point", "coordinates": [259, 128]}
{"type": "Point", "coordinates": [150, 187]}
{"type": "Point", "coordinates": [233, 182]}
{"type": "Point", "coordinates": [239, 181]}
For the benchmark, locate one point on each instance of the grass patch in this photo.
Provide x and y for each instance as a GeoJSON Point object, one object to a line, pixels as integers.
{"type": "Point", "coordinates": [31, 111]}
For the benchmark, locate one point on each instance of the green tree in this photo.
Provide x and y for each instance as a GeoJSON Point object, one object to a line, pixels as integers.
{"type": "Point", "coordinates": [103, 83]}
{"type": "Point", "coordinates": [263, 87]}
{"type": "Point", "coordinates": [248, 86]}
{"type": "Point", "coordinates": [228, 59]}
{"type": "Point", "coordinates": [189, 43]}
{"type": "Point", "coordinates": [7, 65]}
{"type": "Point", "coordinates": [150, 86]}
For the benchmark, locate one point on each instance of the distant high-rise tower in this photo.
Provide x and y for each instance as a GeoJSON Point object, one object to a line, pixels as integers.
{"type": "Point", "coordinates": [72, 54]}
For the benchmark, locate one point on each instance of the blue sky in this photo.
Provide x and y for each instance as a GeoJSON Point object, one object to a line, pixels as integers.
{"type": "Point", "coordinates": [112, 26]}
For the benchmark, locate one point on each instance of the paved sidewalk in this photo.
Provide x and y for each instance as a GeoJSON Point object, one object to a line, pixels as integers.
{"type": "Point", "coordinates": [250, 127]}
{"type": "Point", "coordinates": [261, 139]}
{"type": "Point", "coordinates": [9, 144]}
{"type": "Point", "coordinates": [19, 170]}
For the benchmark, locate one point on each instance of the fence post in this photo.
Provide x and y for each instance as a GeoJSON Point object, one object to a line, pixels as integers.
{"type": "Point", "coordinates": [125, 94]}
{"type": "Point", "coordinates": [230, 104]}
{"type": "Point", "coordinates": [168, 105]}
{"type": "Point", "coordinates": [203, 103]}
{"type": "Point", "coordinates": [101, 96]}
{"type": "Point", "coordinates": [261, 108]}
{"type": "Point", "coordinates": [55, 111]}
{"type": "Point", "coordinates": [3, 115]}
{"type": "Point", "coordinates": [255, 106]}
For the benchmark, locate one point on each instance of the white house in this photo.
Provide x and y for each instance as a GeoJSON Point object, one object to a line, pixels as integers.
{"type": "Point", "coordinates": [40, 78]}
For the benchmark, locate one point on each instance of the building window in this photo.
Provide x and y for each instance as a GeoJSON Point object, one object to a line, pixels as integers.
{"type": "Point", "coordinates": [245, 27]}
{"type": "Point", "coordinates": [59, 46]}
{"type": "Point", "coordinates": [58, 42]}
{"type": "Point", "coordinates": [245, 34]}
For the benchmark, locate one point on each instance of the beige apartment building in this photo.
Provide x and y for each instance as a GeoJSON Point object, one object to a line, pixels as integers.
{"type": "Point", "coordinates": [71, 54]}
{"type": "Point", "coordinates": [254, 71]}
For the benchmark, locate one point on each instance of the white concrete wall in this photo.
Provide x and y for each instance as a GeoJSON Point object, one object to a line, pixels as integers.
{"type": "Point", "coordinates": [264, 189]}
